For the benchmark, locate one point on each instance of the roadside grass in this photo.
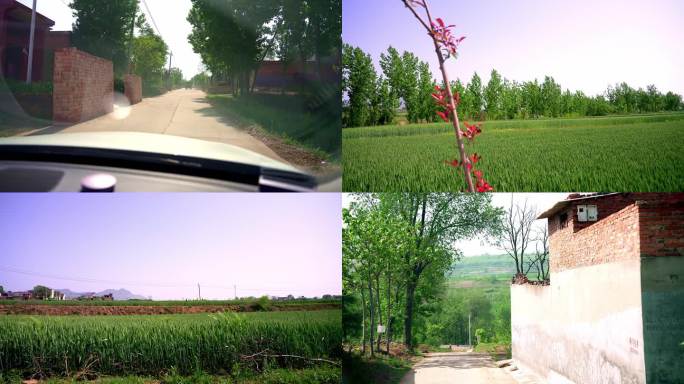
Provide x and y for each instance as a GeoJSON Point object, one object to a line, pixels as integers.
{"type": "Point", "coordinates": [381, 369]}
{"type": "Point", "coordinates": [287, 117]}
{"type": "Point", "coordinates": [626, 153]}
{"type": "Point", "coordinates": [498, 351]}
{"type": "Point", "coordinates": [316, 375]}
{"type": "Point", "coordinates": [12, 125]}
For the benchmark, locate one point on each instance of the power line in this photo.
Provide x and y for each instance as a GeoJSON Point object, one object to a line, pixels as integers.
{"type": "Point", "coordinates": [151, 17]}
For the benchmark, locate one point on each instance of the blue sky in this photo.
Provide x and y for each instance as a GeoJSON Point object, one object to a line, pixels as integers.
{"type": "Point", "coordinates": [584, 44]}
{"type": "Point", "coordinates": [162, 245]}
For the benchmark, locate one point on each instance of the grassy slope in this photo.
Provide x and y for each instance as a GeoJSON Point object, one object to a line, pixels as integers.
{"type": "Point", "coordinates": [624, 153]}
{"type": "Point", "coordinates": [287, 117]}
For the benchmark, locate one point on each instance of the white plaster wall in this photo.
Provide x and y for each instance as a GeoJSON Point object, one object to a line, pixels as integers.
{"type": "Point", "coordinates": [586, 327]}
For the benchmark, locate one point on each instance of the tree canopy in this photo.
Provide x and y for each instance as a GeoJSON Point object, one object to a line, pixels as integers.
{"type": "Point", "coordinates": [233, 37]}
{"type": "Point", "coordinates": [103, 28]}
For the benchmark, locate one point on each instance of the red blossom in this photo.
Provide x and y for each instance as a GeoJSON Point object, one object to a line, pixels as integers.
{"type": "Point", "coordinates": [442, 34]}
{"type": "Point", "coordinates": [481, 185]}
{"type": "Point", "coordinates": [441, 97]}
{"type": "Point", "coordinates": [454, 163]}
{"type": "Point", "coordinates": [471, 130]}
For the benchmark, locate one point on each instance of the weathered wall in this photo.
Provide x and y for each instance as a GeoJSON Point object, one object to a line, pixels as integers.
{"type": "Point", "coordinates": [133, 88]}
{"type": "Point", "coordinates": [83, 86]}
{"type": "Point", "coordinates": [586, 327]}
{"type": "Point", "coordinates": [662, 285]}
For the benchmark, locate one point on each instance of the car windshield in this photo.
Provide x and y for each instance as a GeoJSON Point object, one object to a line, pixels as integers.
{"type": "Point", "coordinates": [256, 76]}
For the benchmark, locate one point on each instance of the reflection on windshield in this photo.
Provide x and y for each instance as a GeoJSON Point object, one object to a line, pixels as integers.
{"type": "Point", "coordinates": [257, 75]}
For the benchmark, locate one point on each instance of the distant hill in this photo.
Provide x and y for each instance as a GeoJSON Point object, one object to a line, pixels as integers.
{"type": "Point", "coordinates": [119, 294]}
{"type": "Point", "coordinates": [481, 271]}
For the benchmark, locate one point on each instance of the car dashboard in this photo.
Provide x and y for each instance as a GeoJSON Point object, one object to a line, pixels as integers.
{"type": "Point", "coordinates": [62, 169]}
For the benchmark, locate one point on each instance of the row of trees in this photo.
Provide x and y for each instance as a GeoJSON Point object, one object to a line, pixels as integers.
{"type": "Point", "coordinates": [405, 80]}
{"type": "Point", "coordinates": [396, 251]}
{"type": "Point", "coordinates": [234, 37]}
{"type": "Point", "coordinates": [117, 30]}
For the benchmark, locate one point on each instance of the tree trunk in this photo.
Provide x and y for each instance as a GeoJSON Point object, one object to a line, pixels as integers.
{"type": "Point", "coordinates": [363, 321]}
{"type": "Point", "coordinates": [408, 316]}
{"type": "Point", "coordinates": [372, 315]}
{"type": "Point", "coordinates": [389, 311]}
{"type": "Point", "coordinates": [377, 295]}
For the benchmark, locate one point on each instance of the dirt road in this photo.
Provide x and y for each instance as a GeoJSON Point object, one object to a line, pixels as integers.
{"type": "Point", "coordinates": [455, 368]}
{"type": "Point", "coordinates": [182, 112]}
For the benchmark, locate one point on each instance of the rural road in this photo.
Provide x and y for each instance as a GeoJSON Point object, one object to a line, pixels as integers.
{"type": "Point", "coordinates": [457, 367]}
{"type": "Point", "coordinates": [182, 112]}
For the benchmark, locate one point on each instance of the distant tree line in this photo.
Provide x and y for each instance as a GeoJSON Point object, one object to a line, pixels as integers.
{"type": "Point", "coordinates": [372, 99]}
{"type": "Point", "coordinates": [235, 37]}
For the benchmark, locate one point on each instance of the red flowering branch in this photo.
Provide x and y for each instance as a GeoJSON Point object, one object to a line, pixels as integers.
{"type": "Point", "coordinates": [446, 45]}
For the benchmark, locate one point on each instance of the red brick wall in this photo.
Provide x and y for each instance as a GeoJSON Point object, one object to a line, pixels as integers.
{"type": "Point", "coordinates": [133, 88]}
{"type": "Point", "coordinates": [611, 238]}
{"type": "Point", "coordinates": [83, 86]}
{"type": "Point", "coordinates": [629, 225]}
{"type": "Point", "coordinates": [662, 227]}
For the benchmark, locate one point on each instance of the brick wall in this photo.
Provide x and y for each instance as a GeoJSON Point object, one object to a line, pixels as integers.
{"type": "Point", "coordinates": [133, 88]}
{"type": "Point", "coordinates": [629, 225]}
{"type": "Point", "coordinates": [612, 238]}
{"type": "Point", "coordinates": [83, 86]}
{"type": "Point", "coordinates": [662, 227]}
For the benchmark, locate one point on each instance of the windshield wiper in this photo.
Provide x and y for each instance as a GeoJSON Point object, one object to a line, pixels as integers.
{"type": "Point", "coordinates": [268, 179]}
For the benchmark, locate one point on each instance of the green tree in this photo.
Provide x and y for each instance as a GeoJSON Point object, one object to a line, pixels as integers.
{"type": "Point", "coordinates": [494, 96]}
{"type": "Point", "coordinates": [426, 86]}
{"type": "Point", "coordinates": [434, 222]}
{"type": "Point", "coordinates": [393, 68]}
{"type": "Point", "coordinates": [474, 98]}
{"type": "Point", "coordinates": [103, 28]}
{"type": "Point", "coordinates": [550, 97]}
{"type": "Point", "coordinates": [359, 81]}
{"type": "Point", "coordinates": [234, 36]}
{"type": "Point", "coordinates": [41, 292]}
{"type": "Point", "coordinates": [149, 57]}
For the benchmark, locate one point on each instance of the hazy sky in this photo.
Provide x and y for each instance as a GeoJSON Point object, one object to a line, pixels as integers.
{"type": "Point", "coordinates": [169, 15]}
{"type": "Point", "coordinates": [164, 244]}
{"type": "Point", "coordinates": [584, 44]}
{"type": "Point", "coordinates": [477, 246]}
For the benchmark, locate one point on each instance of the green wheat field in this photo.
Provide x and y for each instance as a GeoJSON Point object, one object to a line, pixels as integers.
{"type": "Point", "coordinates": [617, 153]}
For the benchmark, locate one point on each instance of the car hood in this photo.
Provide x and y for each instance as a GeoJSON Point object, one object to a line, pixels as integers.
{"type": "Point", "coordinates": [152, 143]}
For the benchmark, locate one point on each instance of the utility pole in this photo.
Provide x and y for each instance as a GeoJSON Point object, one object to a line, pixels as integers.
{"type": "Point", "coordinates": [235, 290]}
{"type": "Point", "coordinates": [199, 292]}
{"type": "Point", "coordinates": [170, 58]}
{"type": "Point", "coordinates": [31, 39]}
{"type": "Point", "coordinates": [470, 341]}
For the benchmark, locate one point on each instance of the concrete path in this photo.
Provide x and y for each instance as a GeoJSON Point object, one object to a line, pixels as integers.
{"type": "Point", "coordinates": [181, 113]}
{"type": "Point", "coordinates": [455, 368]}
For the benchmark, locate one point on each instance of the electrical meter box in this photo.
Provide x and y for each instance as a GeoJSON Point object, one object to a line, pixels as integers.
{"type": "Point", "coordinates": [587, 213]}
{"type": "Point", "coordinates": [581, 213]}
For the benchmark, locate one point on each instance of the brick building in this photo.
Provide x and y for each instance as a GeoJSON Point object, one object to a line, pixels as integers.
{"type": "Point", "coordinates": [276, 75]}
{"type": "Point", "coordinates": [15, 30]}
{"type": "Point", "coordinates": [614, 311]}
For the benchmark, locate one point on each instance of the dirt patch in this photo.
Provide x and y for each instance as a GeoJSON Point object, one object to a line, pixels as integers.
{"type": "Point", "coordinates": [92, 310]}
{"type": "Point", "coordinates": [297, 156]}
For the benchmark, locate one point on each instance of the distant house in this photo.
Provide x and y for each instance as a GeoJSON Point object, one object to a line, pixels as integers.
{"type": "Point", "coordinates": [57, 295]}
{"type": "Point", "coordinates": [108, 297]}
{"type": "Point", "coordinates": [276, 75]}
{"type": "Point", "coordinates": [20, 295]}
{"type": "Point", "coordinates": [15, 30]}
